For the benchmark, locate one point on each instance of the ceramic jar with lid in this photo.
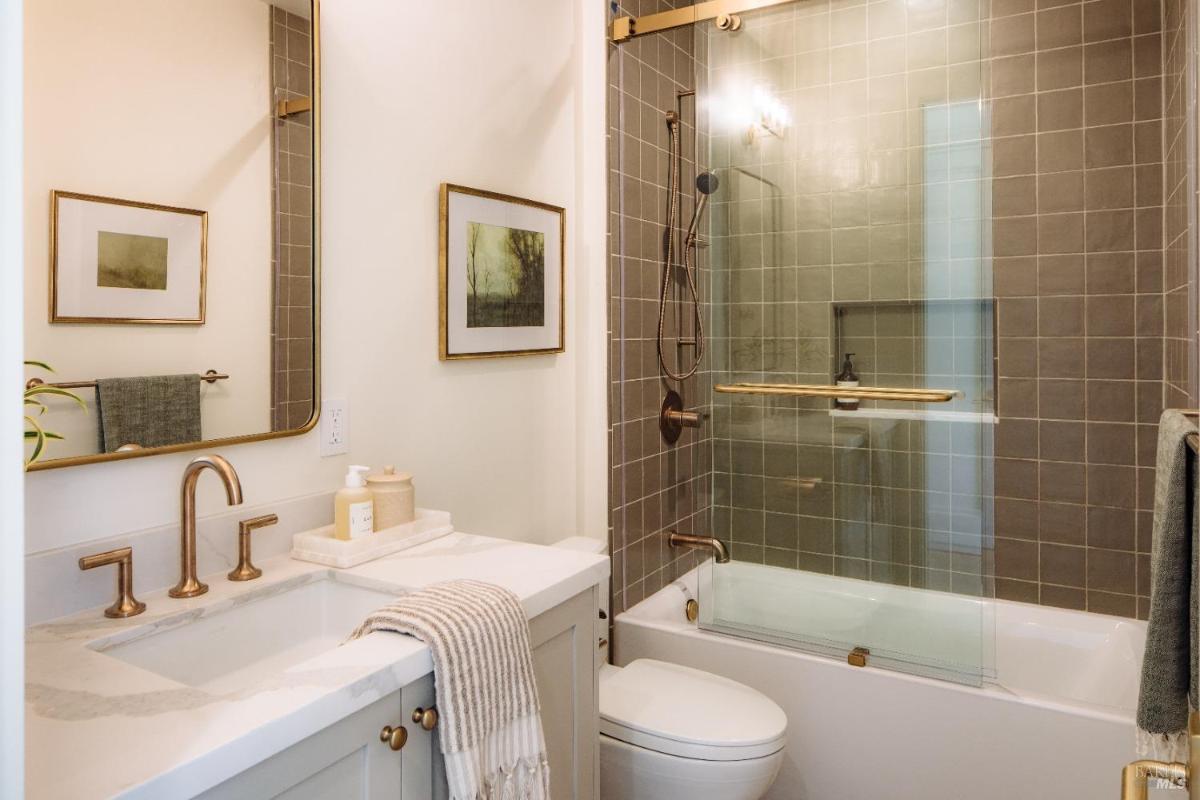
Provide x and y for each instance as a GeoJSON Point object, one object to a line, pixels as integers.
{"type": "Point", "coordinates": [395, 502]}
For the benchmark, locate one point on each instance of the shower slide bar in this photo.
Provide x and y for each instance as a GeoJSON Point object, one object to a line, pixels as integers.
{"type": "Point", "coordinates": [858, 393]}
{"type": "Point", "coordinates": [626, 28]}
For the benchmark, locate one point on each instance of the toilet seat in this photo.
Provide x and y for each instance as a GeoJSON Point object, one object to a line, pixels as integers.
{"type": "Point", "coordinates": [688, 713]}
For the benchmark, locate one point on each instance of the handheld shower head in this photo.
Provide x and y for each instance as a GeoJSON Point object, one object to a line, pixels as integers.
{"type": "Point", "coordinates": [707, 183]}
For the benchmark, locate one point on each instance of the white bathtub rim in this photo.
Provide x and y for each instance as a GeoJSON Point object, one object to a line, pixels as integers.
{"type": "Point", "coordinates": [646, 614]}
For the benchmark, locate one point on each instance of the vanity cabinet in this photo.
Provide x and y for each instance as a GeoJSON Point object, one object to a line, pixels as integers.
{"type": "Point", "coordinates": [348, 759]}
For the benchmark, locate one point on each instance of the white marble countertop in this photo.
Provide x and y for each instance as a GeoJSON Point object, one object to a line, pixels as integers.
{"type": "Point", "coordinates": [97, 727]}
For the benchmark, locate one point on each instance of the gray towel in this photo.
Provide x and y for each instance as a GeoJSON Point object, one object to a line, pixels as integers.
{"type": "Point", "coordinates": [151, 411]}
{"type": "Point", "coordinates": [491, 724]}
{"type": "Point", "coordinates": [1169, 674]}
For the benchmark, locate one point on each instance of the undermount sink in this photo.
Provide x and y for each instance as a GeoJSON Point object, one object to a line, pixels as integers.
{"type": "Point", "coordinates": [256, 638]}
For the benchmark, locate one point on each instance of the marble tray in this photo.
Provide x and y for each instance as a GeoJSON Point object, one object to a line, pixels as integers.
{"type": "Point", "coordinates": [319, 547]}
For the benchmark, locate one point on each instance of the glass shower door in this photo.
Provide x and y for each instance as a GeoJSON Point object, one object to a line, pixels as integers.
{"type": "Point", "coordinates": [852, 218]}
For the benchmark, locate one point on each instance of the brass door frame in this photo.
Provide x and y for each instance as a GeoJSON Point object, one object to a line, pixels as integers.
{"type": "Point", "coordinates": [626, 28]}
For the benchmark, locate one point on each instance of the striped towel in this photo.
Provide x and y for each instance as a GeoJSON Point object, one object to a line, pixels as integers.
{"type": "Point", "coordinates": [490, 721]}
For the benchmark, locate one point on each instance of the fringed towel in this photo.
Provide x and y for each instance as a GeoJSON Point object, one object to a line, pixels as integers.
{"type": "Point", "coordinates": [1168, 685]}
{"type": "Point", "coordinates": [490, 721]}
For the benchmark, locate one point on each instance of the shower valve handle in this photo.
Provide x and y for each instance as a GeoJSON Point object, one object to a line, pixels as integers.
{"type": "Point", "coordinates": [688, 419]}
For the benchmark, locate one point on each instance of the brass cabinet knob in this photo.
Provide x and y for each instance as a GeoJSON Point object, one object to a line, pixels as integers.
{"type": "Point", "coordinates": [126, 604]}
{"type": "Point", "coordinates": [395, 738]}
{"type": "Point", "coordinates": [246, 571]}
{"type": "Point", "coordinates": [427, 718]}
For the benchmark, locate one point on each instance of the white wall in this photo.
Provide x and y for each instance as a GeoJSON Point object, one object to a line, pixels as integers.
{"type": "Point", "coordinates": [12, 573]}
{"type": "Point", "coordinates": [125, 99]}
{"type": "Point", "coordinates": [508, 97]}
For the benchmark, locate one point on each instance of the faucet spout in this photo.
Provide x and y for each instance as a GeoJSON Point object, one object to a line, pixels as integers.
{"type": "Point", "coordinates": [189, 585]}
{"type": "Point", "coordinates": [720, 553]}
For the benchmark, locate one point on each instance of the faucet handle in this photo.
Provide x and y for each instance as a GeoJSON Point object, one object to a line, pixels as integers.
{"type": "Point", "coordinates": [126, 604]}
{"type": "Point", "coordinates": [245, 571]}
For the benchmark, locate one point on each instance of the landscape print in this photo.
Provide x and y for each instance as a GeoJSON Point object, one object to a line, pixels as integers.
{"type": "Point", "coordinates": [506, 277]}
{"type": "Point", "coordinates": [129, 261]}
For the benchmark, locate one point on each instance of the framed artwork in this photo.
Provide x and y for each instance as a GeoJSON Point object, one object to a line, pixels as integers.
{"type": "Point", "coordinates": [123, 262]}
{"type": "Point", "coordinates": [502, 275]}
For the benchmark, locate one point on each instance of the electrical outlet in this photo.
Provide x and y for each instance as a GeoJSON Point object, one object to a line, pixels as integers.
{"type": "Point", "coordinates": [335, 427]}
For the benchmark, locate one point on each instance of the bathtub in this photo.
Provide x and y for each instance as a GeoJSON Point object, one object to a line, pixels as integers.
{"type": "Point", "coordinates": [1051, 720]}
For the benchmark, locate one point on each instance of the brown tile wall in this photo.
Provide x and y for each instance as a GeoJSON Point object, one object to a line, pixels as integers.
{"type": "Point", "coordinates": [1077, 226]}
{"type": "Point", "coordinates": [654, 487]}
{"type": "Point", "coordinates": [1079, 274]}
{"type": "Point", "coordinates": [1179, 257]}
{"type": "Point", "coordinates": [291, 328]}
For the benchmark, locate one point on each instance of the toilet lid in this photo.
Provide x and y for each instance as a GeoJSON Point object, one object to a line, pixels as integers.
{"type": "Point", "coordinates": [688, 713]}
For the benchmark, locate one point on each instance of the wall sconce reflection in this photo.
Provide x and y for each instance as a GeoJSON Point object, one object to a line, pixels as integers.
{"type": "Point", "coordinates": [770, 116]}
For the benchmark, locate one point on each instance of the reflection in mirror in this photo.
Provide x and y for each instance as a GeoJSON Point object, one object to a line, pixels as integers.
{"type": "Point", "coordinates": [170, 190]}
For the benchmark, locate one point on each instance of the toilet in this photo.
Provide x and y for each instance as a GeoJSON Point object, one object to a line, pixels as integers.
{"type": "Point", "coordinates": [669, 732]}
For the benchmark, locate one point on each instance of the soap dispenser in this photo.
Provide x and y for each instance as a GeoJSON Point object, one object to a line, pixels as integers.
{"type": "Point", "coordinates": [847, 378]}
{"type": "Point", "coordinates": [353, 508]}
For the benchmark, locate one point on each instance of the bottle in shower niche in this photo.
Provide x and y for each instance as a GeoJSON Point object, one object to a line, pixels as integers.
{"type": "Point", "coordinates": [847, 378]}
{"type": "Point", "coordinates": [353, 507]}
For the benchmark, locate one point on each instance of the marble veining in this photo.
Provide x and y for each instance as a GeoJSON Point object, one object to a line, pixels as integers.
{"type": "Point", "coordinates": [93, 709]}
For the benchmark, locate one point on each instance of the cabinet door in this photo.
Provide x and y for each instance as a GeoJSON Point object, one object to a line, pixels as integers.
{"type": "Point", "coordinates": [346, 760]}
{"type": "Point", "coordinates": [564, 664]}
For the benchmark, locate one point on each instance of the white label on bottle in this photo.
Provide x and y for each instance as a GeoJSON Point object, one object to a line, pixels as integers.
{"type": "Point", "coordinates": [847, 401]}
{"type": "Point", "coordinates": [362, 519]}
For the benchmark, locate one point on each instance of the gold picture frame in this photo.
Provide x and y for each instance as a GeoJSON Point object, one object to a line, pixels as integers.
{"type": "Point", "coordinates": [445, 350]}
{"type": "Point", "coordinates": [56, 316]}
{"type": "Point", "coordinates": [74, 461]}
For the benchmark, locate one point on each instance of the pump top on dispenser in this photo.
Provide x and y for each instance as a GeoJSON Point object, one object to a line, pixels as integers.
{"type": "Point", "coordinates": [353, 508]}
{"type": "Point", "coordinates": [847, 378]}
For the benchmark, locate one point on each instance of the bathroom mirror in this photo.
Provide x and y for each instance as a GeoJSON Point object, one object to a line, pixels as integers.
{"type": "Point", "coordinates": [171, 221]}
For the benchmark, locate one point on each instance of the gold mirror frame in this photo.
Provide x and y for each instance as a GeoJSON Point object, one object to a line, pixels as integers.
{"type": "Point", "coordinates": [74, 461]}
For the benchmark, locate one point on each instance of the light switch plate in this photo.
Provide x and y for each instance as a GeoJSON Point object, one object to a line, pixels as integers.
{"type": "Point", "coordinates": [335, 427]}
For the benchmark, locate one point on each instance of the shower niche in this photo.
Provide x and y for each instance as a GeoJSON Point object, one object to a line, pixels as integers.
{"type": "Point", "coordinates": [933, 344]}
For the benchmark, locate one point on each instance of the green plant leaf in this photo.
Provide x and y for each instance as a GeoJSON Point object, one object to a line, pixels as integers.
{"type": "Point", "coordinates": [40, 365]}
{"type": "Point", "coordinates": [54, 391]}
{"type": "Point", "coordinates": [39, 437]}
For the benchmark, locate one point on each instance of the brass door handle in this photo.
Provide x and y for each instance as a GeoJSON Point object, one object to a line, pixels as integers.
{"type": "Point", "coordinates": [427, 718]}
{"type": "Point", "coordinates": [395, 738]}
{"type": "Point", "coordinates": [1136, 775]}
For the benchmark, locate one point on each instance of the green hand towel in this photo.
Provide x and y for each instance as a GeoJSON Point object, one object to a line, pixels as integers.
{"type": "Point", "coordinates": [151, 411]}
{"type": "Point", "coordinates": [1169, 671]}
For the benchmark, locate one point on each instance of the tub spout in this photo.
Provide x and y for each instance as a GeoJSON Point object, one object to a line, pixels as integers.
{"type": "Point", "coordinates": [720, 553]}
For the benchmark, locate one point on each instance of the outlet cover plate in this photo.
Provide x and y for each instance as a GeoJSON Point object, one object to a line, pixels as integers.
{"type": "Point", "coordinates": [335, 426]}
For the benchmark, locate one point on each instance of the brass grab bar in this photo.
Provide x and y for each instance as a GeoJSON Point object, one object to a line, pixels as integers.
{"type": "Point", "coordinates": [858, 393]}
{"type": "Point", "coordinates": [210, 377]}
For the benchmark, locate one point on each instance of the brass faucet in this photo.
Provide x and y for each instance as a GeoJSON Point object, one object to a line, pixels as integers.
{"type": "Point", "coordinates": [189, 585]}
{"type": "Point", "coordinates": [720, 552]}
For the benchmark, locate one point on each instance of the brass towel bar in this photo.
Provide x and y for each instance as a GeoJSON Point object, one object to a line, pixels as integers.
{"type": "Point", "coordinates": [212, 376]}
{"type": "Point", "coordinates": [286, 108]}
{"type": "Point", "coordinates": [859, 393]}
